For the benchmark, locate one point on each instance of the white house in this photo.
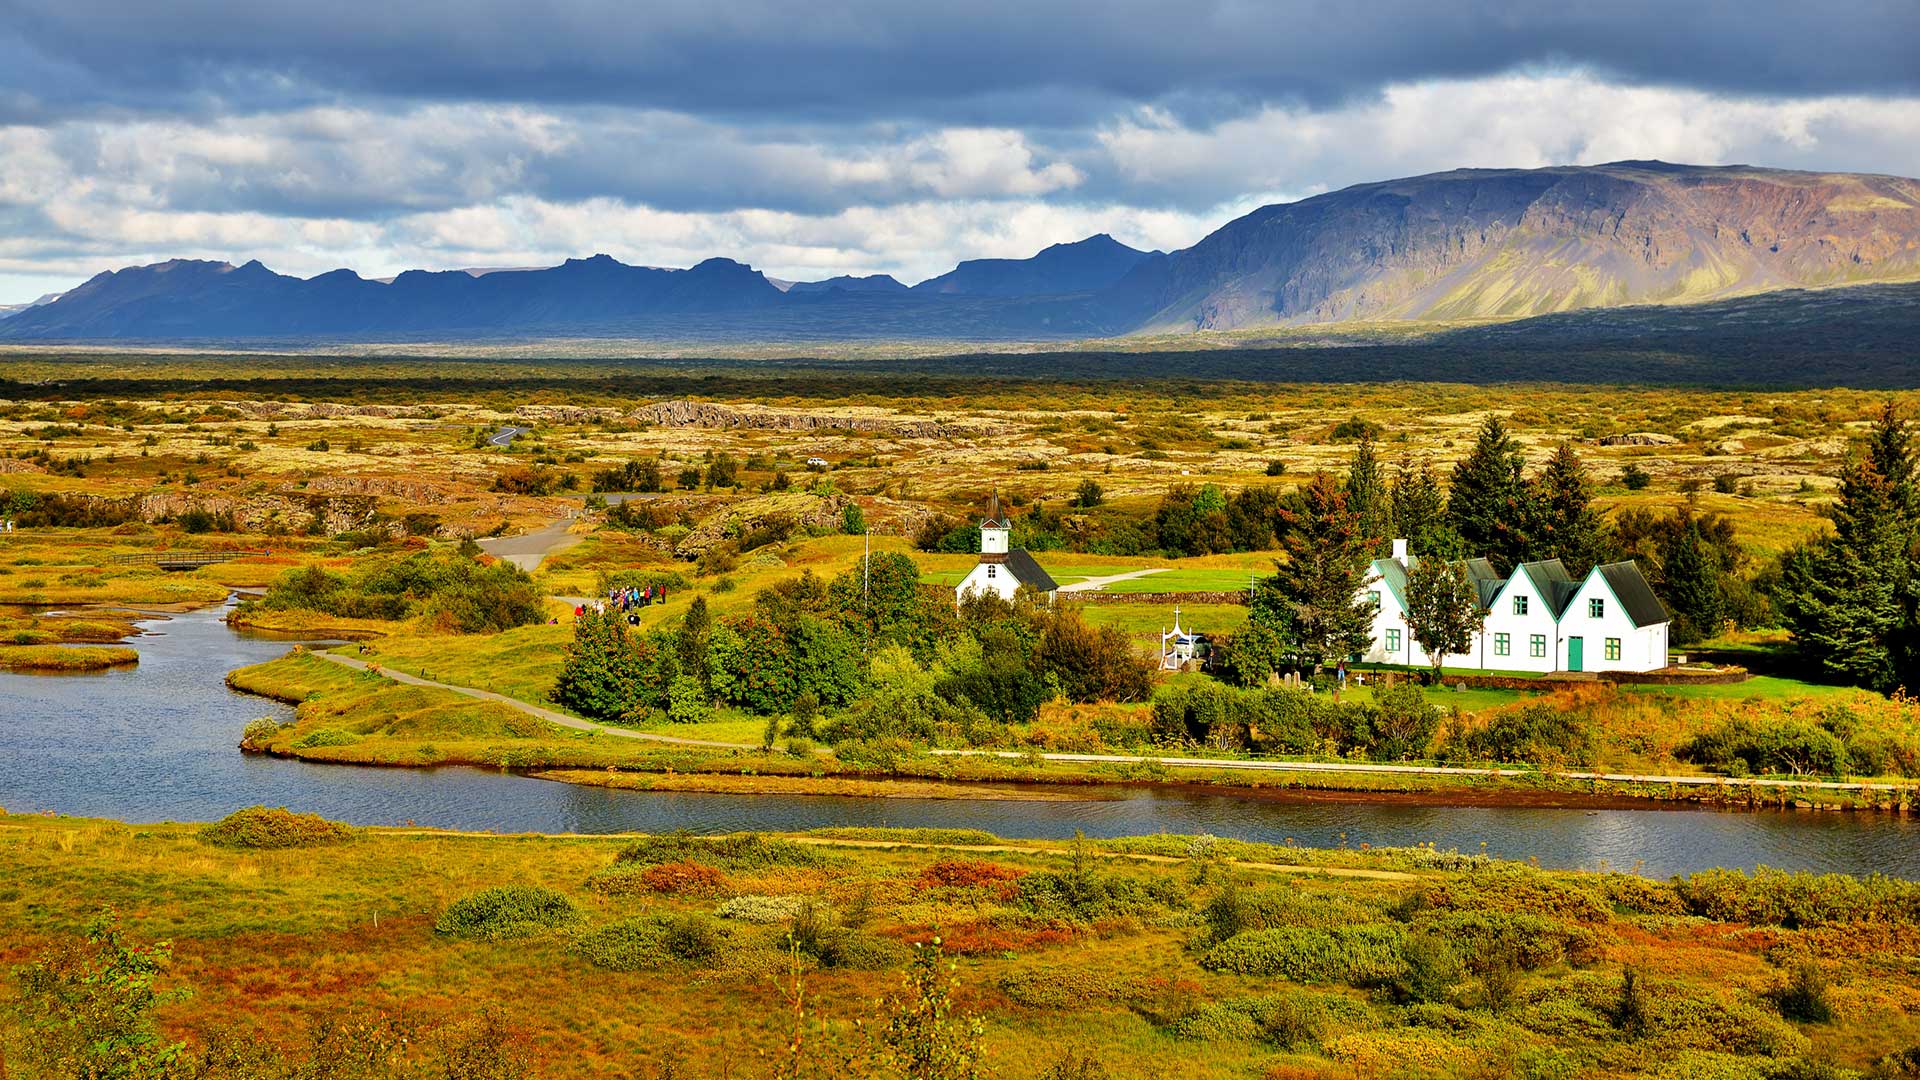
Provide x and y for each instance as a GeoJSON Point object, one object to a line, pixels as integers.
{"type": "Point", "coordinates": [1538, 619]}
{"type": "Point", "coordinates": [1002, 570]}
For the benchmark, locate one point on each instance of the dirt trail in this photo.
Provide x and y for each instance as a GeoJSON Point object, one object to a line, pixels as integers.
{"type": "Point", "coordinates": [549, 715]}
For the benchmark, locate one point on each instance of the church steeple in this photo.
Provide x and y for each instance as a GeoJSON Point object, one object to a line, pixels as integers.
{"type": "Point", "coordinates": [993, 529]}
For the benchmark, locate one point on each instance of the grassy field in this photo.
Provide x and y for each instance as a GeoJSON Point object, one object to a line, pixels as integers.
{"type": "Point", "coordinates": [1147, 956]}
{"type": "Point", "coordinates": [56, 658]}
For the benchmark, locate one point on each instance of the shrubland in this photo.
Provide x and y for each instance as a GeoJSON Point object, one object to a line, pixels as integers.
{"type": "Point", "coordinates": [413, 953]}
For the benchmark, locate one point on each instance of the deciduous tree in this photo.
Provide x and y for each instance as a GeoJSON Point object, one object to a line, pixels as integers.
{"type": "Point", "coordinates": [1443, 609]}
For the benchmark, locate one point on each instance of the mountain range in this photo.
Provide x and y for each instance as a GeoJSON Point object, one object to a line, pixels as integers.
{"type": "Point", "coordinates": [1462, 245]}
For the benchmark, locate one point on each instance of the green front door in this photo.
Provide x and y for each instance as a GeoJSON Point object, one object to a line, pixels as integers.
{"type": "Point", "coordinates": [1576, 653]}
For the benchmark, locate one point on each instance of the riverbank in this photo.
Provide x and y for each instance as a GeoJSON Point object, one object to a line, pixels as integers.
{"type": "Point", "coordinates": [1150, 955]}
{"type": "Point", "coordinates": [61, 659]}
{"type": "Point", "coordinates": [348, 713]}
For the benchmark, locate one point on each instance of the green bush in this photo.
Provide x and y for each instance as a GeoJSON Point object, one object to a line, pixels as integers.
{"type": "Point", "coordinates": [1795, 900]}
{"type": "Point", "coordinates": [737, 851]}
{"type": "Point", "coordinates": [325, 737]}
{"type": "Point", "coordinates": [1236, 909]}
{"type": "Point", "coordinates": [857, 950]}
{"type": "Point", "coordinates": [1430, 968]}
{"type": "Point", "coordinates": [506, 911]}
{"type": "Point", "coordinates": [460, 592]}
{"type": "Point", "coordinates": [1064, 988]}
{"type": "Point", "coordinates": [270, 827]}
{"type": "Point", "coordinates": [1509, 887]}
{"type": "Point", "coordinates": [1291, 1020]}
{"type": "Point", "coordinates": [648, 944]}
{"type": "Point", "coordinates": [1083, 895]}
{"type": "Point", "coordinates": [1357, 955]}
{"type": "Point", "coordinates": [1527, 941]}
{"type": "Point", "coordinates": [764, 910]}
{"type": "Point", "coordinates": [1539, 733]}
{"type": "Point", "coordinates": [1805, 998]}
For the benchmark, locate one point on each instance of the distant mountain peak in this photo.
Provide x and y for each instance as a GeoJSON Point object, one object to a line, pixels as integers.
{"type": "Point", "coordinates": [1087, 265]}
{"type": "Point", "coordinates": [1468, 244]}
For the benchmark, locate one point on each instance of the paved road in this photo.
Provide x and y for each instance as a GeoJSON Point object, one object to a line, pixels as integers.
{"type": "Point", "coordinates": [549, 715]}
{"type": "Point", "coordinates": [506, 435]}
{"type": "Point", "coordinates": [1093, 584]}
{"type": "Point", "coordinates": [529, 550]}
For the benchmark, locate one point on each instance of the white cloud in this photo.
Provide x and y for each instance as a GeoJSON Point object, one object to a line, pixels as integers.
{"type": "Point", "coordinates": [1520, 120]}
{"type": "Point", "coordinates": [447, 185]}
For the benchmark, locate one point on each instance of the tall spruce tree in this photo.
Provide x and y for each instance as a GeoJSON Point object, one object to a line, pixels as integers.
{"type": "Point", "coordinates": [1564, 525]}
{"type": "Point", "coordinates": [1850, 598]}
{"type": "Point", "coordinates": [1324, 575]}
{"type": "Point", "coordinates": [1488, 505]}
{"type": "Point", "coordinates": [1420, 511]}
{"type": "Point", "coordinates": [1367, 493]}
{"type": "Point", "coordinates": [1691, 578]}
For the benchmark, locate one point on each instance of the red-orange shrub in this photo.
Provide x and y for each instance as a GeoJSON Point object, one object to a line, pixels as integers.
{"type": "Point", "coordinates": [684, 879]}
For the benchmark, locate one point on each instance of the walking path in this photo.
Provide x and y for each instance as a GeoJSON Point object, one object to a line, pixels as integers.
{"type": "Point", "coordinates": [1356, 768]}
{"type": "Point", "coordinates": [529, 550]}
{"type": "Point", "coordinates": [1094, 584]}
{"type": "Point", "coordinates": [549, 715]}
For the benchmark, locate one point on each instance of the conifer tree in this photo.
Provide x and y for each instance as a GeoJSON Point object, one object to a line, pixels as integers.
{"type": "Point", "coordinates": [1691, 578]}
{"type": "Point", "coordinates": [1323, 577]}
{"type": "Point", "coordinates": [1367, 494]}
{"type": "Point", "coordinates": [1850, 598]}
{"type": "Point", "coordinates": [1488, 503]}
{"type": "Point", "coordinates": [1564, 525]}
{"type": "Point", "coordinates": [1419, 511]}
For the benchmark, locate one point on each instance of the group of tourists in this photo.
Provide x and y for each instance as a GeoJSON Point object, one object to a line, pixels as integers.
{"type": "Point", "coordinates": [625, 600]}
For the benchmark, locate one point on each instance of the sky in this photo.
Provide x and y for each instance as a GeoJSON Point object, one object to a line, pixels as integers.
{"type": "Point", "coordinates": [870, 136]}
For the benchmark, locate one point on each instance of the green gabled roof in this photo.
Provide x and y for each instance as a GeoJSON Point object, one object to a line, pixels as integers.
{"type": "Point", "coordinates": [1630, 587]}
{"type": "Point", "coordinates": [1487, 580]}
{"type": "Point", "coordinates": [1553, 583]}
{"type": "Point", "coordinates": [1395, 577]}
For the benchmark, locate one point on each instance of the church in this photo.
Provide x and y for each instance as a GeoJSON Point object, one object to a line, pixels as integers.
{"type": "Point", "coordinates": [1002, 570]}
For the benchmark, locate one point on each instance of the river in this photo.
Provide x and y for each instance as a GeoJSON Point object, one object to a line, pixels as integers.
{"type": "Point", "coordinates": [156, 742]}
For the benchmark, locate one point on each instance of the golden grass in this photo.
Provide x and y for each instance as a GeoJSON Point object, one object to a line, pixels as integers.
{"type": "Point", "coordinates": [56, 658]}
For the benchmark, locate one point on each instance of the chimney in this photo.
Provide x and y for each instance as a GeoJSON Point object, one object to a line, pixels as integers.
{"type": "Point", "coordinates": [1400, 551]}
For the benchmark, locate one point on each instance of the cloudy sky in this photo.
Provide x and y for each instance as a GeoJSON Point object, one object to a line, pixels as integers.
{"type": "Point", "coordinates": [862, 136]}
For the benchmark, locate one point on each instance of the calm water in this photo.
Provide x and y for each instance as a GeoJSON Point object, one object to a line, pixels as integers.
{"type": "Point", "coordinates": [156, 743]}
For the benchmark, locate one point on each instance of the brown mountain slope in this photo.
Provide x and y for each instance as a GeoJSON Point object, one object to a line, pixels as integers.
{"type": "Point", "coordinates": [1505, 243]}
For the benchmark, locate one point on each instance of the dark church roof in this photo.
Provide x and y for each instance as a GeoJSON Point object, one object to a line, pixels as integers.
{"type": "Point", "coordinates": [1630, 587]}
{"type": "Point", "coordinates": [1028, 573]}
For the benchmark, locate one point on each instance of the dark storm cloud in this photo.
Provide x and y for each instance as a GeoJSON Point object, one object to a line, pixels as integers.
{"type": "Point", "coordinates": [982, 62]}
